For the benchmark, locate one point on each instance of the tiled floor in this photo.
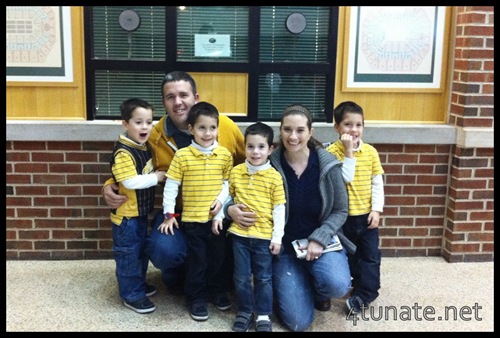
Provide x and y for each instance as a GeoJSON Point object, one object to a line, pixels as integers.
{"type": "Point", "coordinates": [417, 294]}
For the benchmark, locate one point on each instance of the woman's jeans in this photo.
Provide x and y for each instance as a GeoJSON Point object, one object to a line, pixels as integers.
{"type": "Point", "coordinates": [365, 262]}
{"type": "Point", "coordinates": [131, 261]}
{"type": "Point", "coordinates": [167, 253]}
{"type": "Point", "coordinates": [297, 283]}
{"type": "Point", "coordinates": [252, 255]}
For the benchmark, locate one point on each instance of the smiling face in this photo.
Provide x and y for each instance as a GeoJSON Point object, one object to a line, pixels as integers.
{"type": "Point", "coordinates": [351, 124]}
{"type": "Point", "coordinates": [295, 132]}
{"type": "Point", "coordinates": [257, 149]}
{"type": "Point", "coordinates": [139, 126]}
{"type": "Point", "coordinates": [178, 98]}
{"type": "Point", "coordinates": [204, 130]}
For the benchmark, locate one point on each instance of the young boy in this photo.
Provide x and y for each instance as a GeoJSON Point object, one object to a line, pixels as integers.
{"type": "Point", "coordinates": [132, 169]}
{"type": "Point", "coordinates": [203, 170]}
{"type": "Point", "coordinates": [362, 172]}
{"type": "Point", "coordinates": [260, 187]}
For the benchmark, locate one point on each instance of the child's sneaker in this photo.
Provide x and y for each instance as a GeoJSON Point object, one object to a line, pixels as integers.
{"type": "Point", "coordinates": [198, 311]}
{"type": "Point", "coordinates": [150, 290]}
{"type": "Point", "coordinates": [354, 305]}
{"type": "Point", "coordinates": [143, 305]}
{"type": "Point", "coordinates": [264, 325]}
{"type": "Point", "coordinates": [243, 322]}
{"type": "Point", "coordinates": [221, 302]}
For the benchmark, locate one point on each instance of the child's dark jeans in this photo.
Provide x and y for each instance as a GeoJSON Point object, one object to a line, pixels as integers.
{"type": "Point", "coordinates": [205, 258]}
{"type": "Point", "coordinates": [365, 262]}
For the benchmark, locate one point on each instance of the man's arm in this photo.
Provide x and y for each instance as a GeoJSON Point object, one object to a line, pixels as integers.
{"type": "Point", "coordinates": [111, 196]}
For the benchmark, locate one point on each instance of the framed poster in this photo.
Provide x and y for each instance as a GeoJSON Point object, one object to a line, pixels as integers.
{"type": "Point", "coordinates": [38, 44]}
{"type": "Point", "coordinates": [397, 48]}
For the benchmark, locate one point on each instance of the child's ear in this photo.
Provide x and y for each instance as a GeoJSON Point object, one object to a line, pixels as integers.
{"type": "Point", "coordinates": [271, 148]}
{"type": "Point", "coordinates": [190, 128]}
{"type": "Point", "coordinates": [125, 124]}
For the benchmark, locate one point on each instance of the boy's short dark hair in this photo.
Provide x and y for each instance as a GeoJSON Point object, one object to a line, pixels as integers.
{"type": "Point", "coordinates": [128, 106]}
{"type": "Point", "coordinates": [202, 108]}
{"type": "Point", "coordinates": [346, 107]}
{"type": "Point", "coordinates": [262, 129]}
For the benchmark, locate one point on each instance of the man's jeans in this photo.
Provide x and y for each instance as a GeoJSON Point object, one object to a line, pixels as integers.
{"type": "Point", "coordinates": [252, 255]}
{"type": "Point", "coordinates": [131, 261]}
{"type": "Point", "coordinates": [167, 252]}
{"type": "Point", "coordinates": [365, 262]}
{"type": "Point", "coordinates": [297, 283]}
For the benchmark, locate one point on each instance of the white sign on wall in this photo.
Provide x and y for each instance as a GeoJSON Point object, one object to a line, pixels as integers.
{"type": "Point", "coordinates": [212, 45]}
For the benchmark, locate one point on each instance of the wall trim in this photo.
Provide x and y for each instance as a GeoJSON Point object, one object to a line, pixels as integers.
{"type": "Point", "coordinates": [108, 130]}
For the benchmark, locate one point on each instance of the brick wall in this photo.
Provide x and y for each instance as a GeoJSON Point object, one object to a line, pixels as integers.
{"type": "Point", "coordinates": [416, 180]}
{"type": "Point", "coordinates": [468, 232]}
{"type": "Point", "coordinates": [55, 209]}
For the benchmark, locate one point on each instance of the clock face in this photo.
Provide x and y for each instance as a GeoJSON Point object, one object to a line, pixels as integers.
{"type": "Point", "coordinates": [129, 20]}
{"type": "Point", "coordinates": [296, 23]}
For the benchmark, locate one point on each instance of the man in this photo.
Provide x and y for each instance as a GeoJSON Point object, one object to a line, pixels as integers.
{"type": "Point", "coordinates": [167, 251]}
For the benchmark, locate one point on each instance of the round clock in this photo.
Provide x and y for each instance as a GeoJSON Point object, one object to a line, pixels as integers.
{"type": "Point", "coordinates": [296, 23]}
{"type": "Point", "coordinates": [129, 20]}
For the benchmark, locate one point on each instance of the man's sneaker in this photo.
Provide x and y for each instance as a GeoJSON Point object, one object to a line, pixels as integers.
{"type": "Point", "coordinates": [198, 311]}
{"type": "Point", "coordinates": [143, 305]}
{"type": "Point", "coordinates": [150, 290]}
{"type": "Point", "coordinates": [221, 302]}
{"type": "Point", "coordinates": [354, 304]}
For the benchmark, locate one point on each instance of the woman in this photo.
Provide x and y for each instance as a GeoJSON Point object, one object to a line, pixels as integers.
{"type": "Point", "coordinates": [316, 209]}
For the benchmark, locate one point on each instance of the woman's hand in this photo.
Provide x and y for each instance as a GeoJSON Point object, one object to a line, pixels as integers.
{"type": "Point", "coordinates": [241, 217]}
{"type": "Point", "coordinates": [314, 251]}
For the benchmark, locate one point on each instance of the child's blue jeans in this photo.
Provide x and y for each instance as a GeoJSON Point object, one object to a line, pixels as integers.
{"type": "Point", "coordinates": [365, 262]}
{"type": "Point", "coordinates": [131, 261]}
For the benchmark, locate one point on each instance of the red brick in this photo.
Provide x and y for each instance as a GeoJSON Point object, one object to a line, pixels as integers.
{"type": "Point", "coordinates": [37, 234]}
{"type": "Point", "coordinates": [67, 234]}
{"type": "Point", "coordinates": [47, 157]}
{"type": "Point", "coordinates": [31, 167]}
{"type": "Point", "coordinates": [65, 168]}
{"type": "Point", "coordinates": [66, 190]}
{"type": "Point", "coordinates": [65, 146]}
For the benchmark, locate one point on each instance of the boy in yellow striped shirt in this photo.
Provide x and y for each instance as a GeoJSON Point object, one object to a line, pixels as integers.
{"type": "Point", "coordinates": [202, 171]}
{"type": "Point", "coordinates": [259, 186]}
{"type": "Point", "coordinates": [362, 172]}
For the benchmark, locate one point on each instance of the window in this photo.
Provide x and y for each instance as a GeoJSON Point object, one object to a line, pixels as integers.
{"type": "Point", "coordinates": [130, 49]}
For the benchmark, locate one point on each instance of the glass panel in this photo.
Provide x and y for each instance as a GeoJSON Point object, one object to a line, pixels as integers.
{"type": "Point", "coordinates": [114, 87]}
{"type": "Point", "coordinates": [276, 91]}
{"type": "Point", "coordinates": [278, 44]}
{"type": "Point", "coordinates": [230, 21]}
{"type": "Point", "coordinates": [112, 42]}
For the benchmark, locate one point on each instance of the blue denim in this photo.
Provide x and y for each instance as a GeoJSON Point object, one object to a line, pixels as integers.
{"type": "Point", "coordinates": [204, 262]}
{"type": "Point", "coordinates": [297, 283]}
{"type": "Point", "coordinates": [365, 262]}
{"type": "Point", "coordinates": [131, 261]}
{"type": "Point", "coordinates": [252, 255]}
{"type": "Point", "coordinates": [167, 252]}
